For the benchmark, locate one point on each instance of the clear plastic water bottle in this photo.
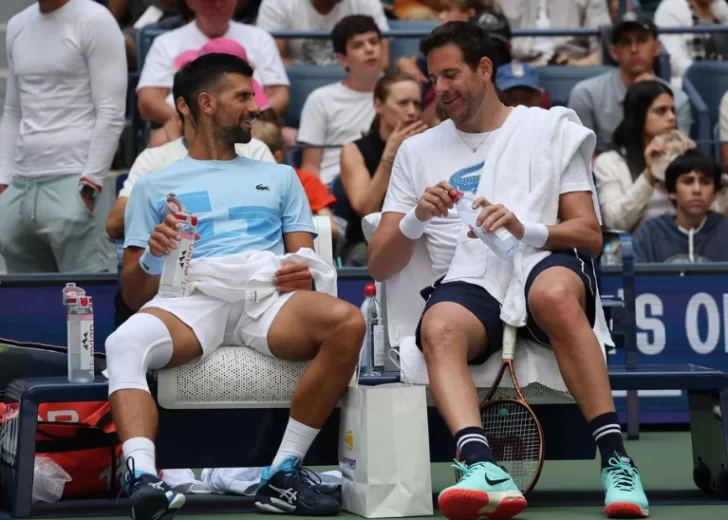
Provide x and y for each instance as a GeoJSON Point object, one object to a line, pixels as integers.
{"type": "Point", "coordinates": [501, 241]}
{"type": "Point", "coordinates": [375, 331]}
{"type": "Point", "coordinates": [177, 264]}
{"type": "Point", "coordinates": [80, 334]}
{"type": "Point", "coordinates": [608, 255]}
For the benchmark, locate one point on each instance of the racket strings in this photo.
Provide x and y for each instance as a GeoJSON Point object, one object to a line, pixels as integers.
{"type": "Point", "coordinates": [513, 436]}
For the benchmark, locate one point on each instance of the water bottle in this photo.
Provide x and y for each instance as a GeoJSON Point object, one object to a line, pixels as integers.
{"type": "Point", "coordinates": [177, 264]}
{"type": "Point", "coordinates": [80, 334]}
{"type": "Point", "coordinates": [501, 241]}
{"type": "Point", "coordinates": [608, 256]}
{"type": "Point", "coordinates": [375, 331]}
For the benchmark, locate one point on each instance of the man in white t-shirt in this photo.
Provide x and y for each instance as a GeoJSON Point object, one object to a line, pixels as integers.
{"type": "Point", "coordinates": [342, 112]}
{"type": "Point", "coordinates": [212, 20]}
{"type": "Point", "coordinates": [63, 115]}
{"type": "Point", "coordinates": [315, 15]}
{"type": "Point", "coordinates": [557, 299]}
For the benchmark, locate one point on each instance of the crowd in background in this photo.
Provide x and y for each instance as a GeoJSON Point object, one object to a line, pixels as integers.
{"type": "Point", "coordinates": [72, 65]}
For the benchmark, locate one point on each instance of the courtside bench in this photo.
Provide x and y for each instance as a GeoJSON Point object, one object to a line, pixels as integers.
{"type": "Point", "coordinates": [240, 421]}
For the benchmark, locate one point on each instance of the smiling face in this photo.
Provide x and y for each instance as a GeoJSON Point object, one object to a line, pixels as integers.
{"type": "Point", "coordinates": [232, 109]}
{"type": "Point", "coordinates": [460, 89]}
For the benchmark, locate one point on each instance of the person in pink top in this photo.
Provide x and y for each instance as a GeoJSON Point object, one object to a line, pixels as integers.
{"type": "Point", "coordinates": [172, 129]}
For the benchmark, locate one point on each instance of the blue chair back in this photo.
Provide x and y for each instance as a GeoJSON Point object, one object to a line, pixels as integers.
{"type": "Point", "coordinates": [145, 38]}
{"type": "Point", "coordinates": [304, 80]}
{"type": "Point", "coordinates": [400, 47]}
{"type": "Point", "coordinates": [559, 80]}
{"type": "Point", "coordinates": [120, 179]}
{"type": "Point", "coordinates": [710, 79]}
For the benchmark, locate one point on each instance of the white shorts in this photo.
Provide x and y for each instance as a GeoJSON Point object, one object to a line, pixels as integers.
{"type": "Point", "coordinates": [216, 322]}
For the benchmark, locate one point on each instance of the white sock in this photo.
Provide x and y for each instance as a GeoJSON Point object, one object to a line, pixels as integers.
{"type": "Point", "coordinates": [141, 450]}
{"type": "Point", "coordinates": [296, 442]}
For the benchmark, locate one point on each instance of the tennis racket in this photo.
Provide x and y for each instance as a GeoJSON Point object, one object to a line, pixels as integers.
{"type": "Point", "coordinates": [512, 429]}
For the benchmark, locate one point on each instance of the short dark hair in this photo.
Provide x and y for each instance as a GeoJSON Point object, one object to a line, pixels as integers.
{"type": "Point", "coordinates": [472, 40]}
{"type": "Point", "coordinates": [206, 73]}
{"type": "Point", "coordinates": [351, 26]}
{"type": "Point", "coordinates": [692, 160]}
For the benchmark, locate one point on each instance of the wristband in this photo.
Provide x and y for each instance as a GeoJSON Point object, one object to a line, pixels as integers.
{"type": "Point", "coordinates": [151, 264]}
{"type": "Point", "coordinates": [411, 226]}
{"type": "Point", "coordinates": [535, 234]}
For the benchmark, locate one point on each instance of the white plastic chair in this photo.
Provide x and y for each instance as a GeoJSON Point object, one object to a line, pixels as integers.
{"type": "Point", "coordinates": [238, 377]}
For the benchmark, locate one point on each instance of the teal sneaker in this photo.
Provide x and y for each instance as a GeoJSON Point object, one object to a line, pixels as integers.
{"type": "Point", "coordinates": [484, 490]}
{"type": "Point", "coordinates": [624, 496]}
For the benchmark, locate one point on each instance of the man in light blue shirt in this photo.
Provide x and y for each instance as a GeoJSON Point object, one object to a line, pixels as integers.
{"type": "Point", "coordinates": [242, 206]}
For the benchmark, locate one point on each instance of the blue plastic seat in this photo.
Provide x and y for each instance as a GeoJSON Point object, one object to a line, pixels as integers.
{"type": "Point", "coordinates": [559, 80]}
{"type": "Point", "coordinates": [304, 80]}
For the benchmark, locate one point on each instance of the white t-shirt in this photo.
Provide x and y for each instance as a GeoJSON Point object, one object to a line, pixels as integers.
{"type": "Point", "coordinates": [300, 15]}
{"type": "Point", "coordinates": [443, 153]}
{"type": "Point", "coordinates": [335, 115]}
{"type": "Point", "coordinates": [159, 68]}
{"type": "Point", "coordinates": [159, 157]}
{"type": "Point", "coordinates": [66, 92]}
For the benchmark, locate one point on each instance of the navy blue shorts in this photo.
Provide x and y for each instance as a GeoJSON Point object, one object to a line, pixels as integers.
{"type": "Point", "coordinates": [487, 309]}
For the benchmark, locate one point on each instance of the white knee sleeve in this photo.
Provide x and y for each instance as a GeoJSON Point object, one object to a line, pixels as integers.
{"type": "Point", "coordinates": [141, 343]}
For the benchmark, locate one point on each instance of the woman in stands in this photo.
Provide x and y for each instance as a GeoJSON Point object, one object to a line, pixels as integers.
{"type": "Point", "coordinates": [366, 164]}
{"type": "Point", "coordinates": [628, 192]}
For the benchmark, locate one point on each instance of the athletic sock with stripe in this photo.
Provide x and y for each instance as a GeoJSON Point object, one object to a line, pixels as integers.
{"type": "Point", "coordinates": [608, 435]}
{"type": "Point", "coordinates": [473, 446]}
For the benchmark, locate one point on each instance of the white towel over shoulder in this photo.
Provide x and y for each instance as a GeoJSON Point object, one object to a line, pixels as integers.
{"type": "Point", "coordinates": [523, 172]}
{"type": "Point", "coordinates": [249, 277]}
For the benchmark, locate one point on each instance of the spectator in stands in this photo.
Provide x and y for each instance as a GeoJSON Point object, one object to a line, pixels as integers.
{"type": "Point", "coordinates": [212, 20]}
{"type": "Point", "coordinates": [433, 9]}
{"type": "Point", "coordinates": [366, 164]}
{"type": "Point", "coordinates": [628, 191]}
{"type": "Point", "coordinates": [292, 321]}
{"type": "Point", "coordinates": [554, 14]}
{"type": "Point", "coordinates": [319, 198]}
{"type": "Point", "coordinates": [519, 85]}
{"type": "Point", "coordinates": [64, 112]}
{"type": "Point", "coordinates": [694, 234]}
{"type": "Point", "coordinates": [684, 49]}
{"type": "Point", "coordinates": [132, 15]}
{"type": "Point", "coordinates": [336, 114]}
{"type": "Point", "coordinates": [598, 100]}
{"type": "Point", "coordinates": [314, 15]}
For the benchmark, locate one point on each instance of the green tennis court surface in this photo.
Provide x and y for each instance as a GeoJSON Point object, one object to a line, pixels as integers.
{"type": "Point", "coordinates": [664, 460]}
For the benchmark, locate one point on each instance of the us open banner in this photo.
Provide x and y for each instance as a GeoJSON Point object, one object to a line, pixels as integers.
{"type": "Point", "coordinates": [681, 318]}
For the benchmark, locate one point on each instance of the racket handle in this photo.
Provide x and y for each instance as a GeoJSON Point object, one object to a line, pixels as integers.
{"type": "Point", "coordinates": [509, 341]}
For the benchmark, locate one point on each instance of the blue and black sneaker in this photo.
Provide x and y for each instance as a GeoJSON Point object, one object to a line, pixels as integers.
{"type": "Point", "coordinates": [149, 496]}
{"type": "Point", "coordinates": [292, 489]}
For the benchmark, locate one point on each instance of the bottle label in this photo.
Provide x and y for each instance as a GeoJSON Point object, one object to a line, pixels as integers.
{"type": "Point", "coordinates": [177, 264]}
{"type": "Point", "coordinates": [503, 233]}
{"type": "Point", "coordinates": [87, 341]}
{"type": "Point", "coordinates": [378, 345]}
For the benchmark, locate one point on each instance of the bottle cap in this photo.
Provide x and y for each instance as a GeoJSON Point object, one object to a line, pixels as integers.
{"type": "Point", "coordinates": [458, 195]}
{"type": "Point", "coordinates": [370, 290]}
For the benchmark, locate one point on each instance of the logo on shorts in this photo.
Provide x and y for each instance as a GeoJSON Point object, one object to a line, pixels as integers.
{"type": "Point", "coordinates": [262, 187]}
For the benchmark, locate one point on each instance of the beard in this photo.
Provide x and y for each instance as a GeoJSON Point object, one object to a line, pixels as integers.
{"type": "Point", "coordinates": [231, 134]}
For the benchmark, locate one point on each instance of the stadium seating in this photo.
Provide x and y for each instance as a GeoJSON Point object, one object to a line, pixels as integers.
{"type": "Point", "coordinates": [304, 80]}
{"type": "Point", "coordinates": [710, 81]}
{"type": "Point", "coordinates": [558, 81]}
{"type": "Point", "coordinates": [701, 132]}
{"type": "Point", "coordinates": [403, 46]}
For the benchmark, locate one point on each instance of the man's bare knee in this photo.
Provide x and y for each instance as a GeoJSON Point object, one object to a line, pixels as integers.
{"type": "Point", "coordinates": [347, 329]}
{"type": "Point", "coordinates": [556, 305]}
{"type": "Point", "coordinates": [440, 336]}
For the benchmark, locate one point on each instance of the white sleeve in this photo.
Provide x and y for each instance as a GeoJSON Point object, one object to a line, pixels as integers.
{"type": "Point", "coordinates": [723, 118]}
{"type": "Point", "coordinates": [261, 152]}
{"type": "Point", "coordinates": [675, 44]}
{"type": "Point", "coordinates": [314, 120]}
{"type": "Point", "coordinates": [10, 125]}
{"type": "Point", "coordinates": [106, 57]}
{"type": "Point", "coordinates": [374, 9]}
{"type": "Point", "coordinates": [575, 176]}
{"type": "Point", "coordinates": [158, 69]}
{"type": "Point", "coordinates": [269, 67]}
{"type": "Point", "coordinates": [401, 193]}
{"type": "Point", "coordinates": [143, 164]}
{"type": "Point", "coordinates": [272, 15]}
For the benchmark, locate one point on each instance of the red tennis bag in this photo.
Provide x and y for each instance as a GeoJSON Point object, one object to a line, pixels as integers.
{"type": "Point", "coordinates": [81, 438]}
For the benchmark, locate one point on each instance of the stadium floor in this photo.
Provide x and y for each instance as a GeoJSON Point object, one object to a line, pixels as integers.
{"type": "Point", "coordinates": [572, 490]}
